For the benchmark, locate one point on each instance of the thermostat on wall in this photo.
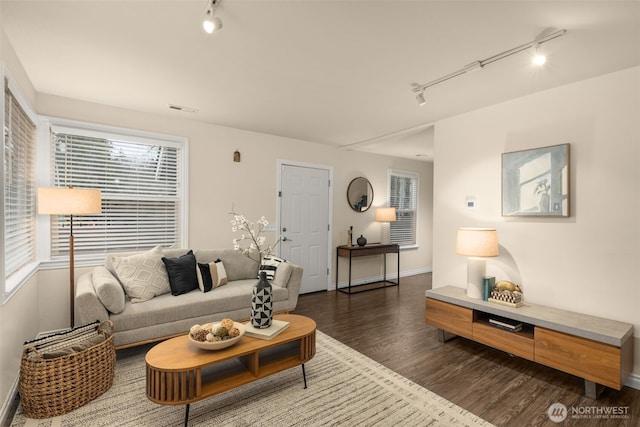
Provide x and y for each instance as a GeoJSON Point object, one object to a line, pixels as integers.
{"type": "Point", "coordinates": [470, 202]}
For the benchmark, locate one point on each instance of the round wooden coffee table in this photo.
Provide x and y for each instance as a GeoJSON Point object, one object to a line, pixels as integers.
{"type": "Point", "coordinates": [175, 367]}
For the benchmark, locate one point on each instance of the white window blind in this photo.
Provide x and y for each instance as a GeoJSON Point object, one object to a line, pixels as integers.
{"type": "Point", "coordinates": [142, 198]}
{"type": "Point", "coordinates": [403, 195]}
{"type": "Point", "coordinates": [19, 186]}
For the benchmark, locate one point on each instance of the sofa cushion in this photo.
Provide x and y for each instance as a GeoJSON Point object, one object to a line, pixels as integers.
{"type": "Point", "coordinates": [108, 289]}
{"type": "Point", "coordinates": [167, 309]}
{"type": "Point", "coordinates": [211, 275]}
{"type": "Point", "coordinates": [182, 273]}
{"type": "Point", "coordinates": [236, 265]}
{"type": "Point", "coordinates": [143, 275]}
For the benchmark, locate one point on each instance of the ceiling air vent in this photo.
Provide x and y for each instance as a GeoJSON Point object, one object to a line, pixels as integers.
{"type": "Point", "coordinates": [181, 108]}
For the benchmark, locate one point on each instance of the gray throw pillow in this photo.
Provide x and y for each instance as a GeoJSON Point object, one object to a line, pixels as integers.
{"type": "Point", "coordinates": [283, 273]}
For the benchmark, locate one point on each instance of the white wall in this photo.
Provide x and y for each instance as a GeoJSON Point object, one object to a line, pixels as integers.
{"type": "Point", "coordinates": [589, 262]}
{"type": "Point", "coordinates": [216, 182]}
{"type": "Point", "coordinates": [17, 319]}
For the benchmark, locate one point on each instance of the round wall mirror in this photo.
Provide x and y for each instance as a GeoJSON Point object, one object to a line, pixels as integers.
{"type": "Point", "coordinates": [360, 194]}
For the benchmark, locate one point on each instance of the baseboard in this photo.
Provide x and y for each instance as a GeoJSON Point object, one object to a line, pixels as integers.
{"type": "Point", "coordinates": [392, 276]}
{"type": "Point", "coordinates": [10, 405]}
{"type": "Point", "coordinates": [633, 381]}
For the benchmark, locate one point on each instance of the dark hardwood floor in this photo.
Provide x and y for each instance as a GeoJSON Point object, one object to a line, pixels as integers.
{"type": "Point", "coordinates": [388, 326]}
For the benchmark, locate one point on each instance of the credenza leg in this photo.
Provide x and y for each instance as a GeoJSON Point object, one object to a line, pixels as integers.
{"type": "Point", "coordinates": [186, 415]}
{"type": "Point", "coordinates": [444, 335]}
{"type": "Point", "coordinates": [304, 376]}
{"type": "Point", "coordinates": [592, 390]}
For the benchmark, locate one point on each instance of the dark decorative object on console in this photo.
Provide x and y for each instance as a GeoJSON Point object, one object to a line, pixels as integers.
{"type": "Point", "coordinates": [262, 303]}
{"type": "Point", "coordinates": [361, 240]}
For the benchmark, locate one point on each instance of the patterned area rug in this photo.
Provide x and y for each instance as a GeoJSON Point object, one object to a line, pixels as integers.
{"type": "Point", "coordinates": [345, 388]}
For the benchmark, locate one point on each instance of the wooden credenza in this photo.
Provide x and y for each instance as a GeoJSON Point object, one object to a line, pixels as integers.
{"type": "Point", "coordinates": [598, 350]}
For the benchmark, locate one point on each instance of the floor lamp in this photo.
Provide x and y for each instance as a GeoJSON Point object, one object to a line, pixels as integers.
{"type": "Point", "coordinates": [69, 201]}
{"type": "Point", "coordinates": [476, 244]}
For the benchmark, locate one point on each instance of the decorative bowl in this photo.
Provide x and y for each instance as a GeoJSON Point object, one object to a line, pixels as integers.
{"type": "Point", "coordinates": [219, 345]}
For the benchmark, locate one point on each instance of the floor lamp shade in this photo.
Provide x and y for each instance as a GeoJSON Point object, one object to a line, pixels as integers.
{"type": "Point", "coordinates": [476, 244]}
{"type": "Point", "coordinates": [386, 216]}
{"type": "Point", "coordinates": [69, 201]}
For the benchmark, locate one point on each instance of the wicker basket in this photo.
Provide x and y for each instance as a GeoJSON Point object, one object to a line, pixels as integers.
{"type": "Point", "coordinates": [54, 386]}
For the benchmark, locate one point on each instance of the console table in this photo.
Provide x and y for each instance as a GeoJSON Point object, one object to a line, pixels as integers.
{"type": "Point", "coordinates": [598, 350]}
{"type": "Point", "coordinates": [367, 250]}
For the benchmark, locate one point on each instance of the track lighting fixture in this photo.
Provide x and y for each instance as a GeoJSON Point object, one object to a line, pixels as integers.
{"type": "Point", "coordinates": [538, 59]}
{"type": "Point", "coordinates": [211, 23]}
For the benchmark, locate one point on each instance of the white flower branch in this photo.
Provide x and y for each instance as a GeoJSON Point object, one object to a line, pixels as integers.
{"type": "Point", "coordinates": [251, 240]}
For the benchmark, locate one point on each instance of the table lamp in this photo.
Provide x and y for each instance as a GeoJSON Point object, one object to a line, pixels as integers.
{"type": "Point", "coordinates": [476, 244]}
{"type": "Point", "coordinates": [386, 216]}
{"type": "Point", "coordinates": [69, 201]}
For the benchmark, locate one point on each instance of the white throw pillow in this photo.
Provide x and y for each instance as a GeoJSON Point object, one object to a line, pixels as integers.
{"type": "Point", "coordinates": [269, 265]}
{"type": "Point", "coordinates": [143, 276]}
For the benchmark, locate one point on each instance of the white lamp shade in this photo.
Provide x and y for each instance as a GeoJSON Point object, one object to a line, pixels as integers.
{"type": "Point", "coordinates": [477, 242]}
{"type": "Point", "coordinates": [69, 201]}
{"type": "Point", "coordinates": [386, 214]}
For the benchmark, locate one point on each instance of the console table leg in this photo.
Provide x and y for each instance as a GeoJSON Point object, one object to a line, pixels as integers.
{"type": "Point", "coordinates": [592, 390]}
{"type": "Point", "coordinates": [304, 376]}
{"type": "Point", "coordinates": [186, 415]}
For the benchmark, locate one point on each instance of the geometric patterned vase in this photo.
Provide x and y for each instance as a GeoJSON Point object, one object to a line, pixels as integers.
{"type": "Point", "coordinates": [262, 303]}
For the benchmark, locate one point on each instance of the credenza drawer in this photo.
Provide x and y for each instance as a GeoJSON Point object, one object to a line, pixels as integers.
{"type": "Point", "coordinates": [516, 343]}
{"type": "Point", "coordinates": [449, 317]}
{"type": "Point", "coordinates": [594, 361]}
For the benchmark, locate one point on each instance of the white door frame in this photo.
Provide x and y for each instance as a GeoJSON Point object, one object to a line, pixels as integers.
{"type": "Point", "coordinates": [283, 162]}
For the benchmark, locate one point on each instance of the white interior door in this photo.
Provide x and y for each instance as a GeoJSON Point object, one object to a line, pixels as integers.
{"type": "Point", "coordinates": [304, 223]}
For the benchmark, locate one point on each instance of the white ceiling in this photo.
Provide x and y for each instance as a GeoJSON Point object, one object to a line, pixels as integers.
{"type": "Point", "coordinates": [332, 72]}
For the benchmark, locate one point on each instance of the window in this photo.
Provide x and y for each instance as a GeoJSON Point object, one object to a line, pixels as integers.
{"type": "Point", "coordinates": [403, 195]}
{"type": "Point", "coordinates": [19, 153]}
{"type": "Point", "coordinates": [142, 184]}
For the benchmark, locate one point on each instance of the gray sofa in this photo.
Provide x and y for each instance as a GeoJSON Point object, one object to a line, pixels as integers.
{"type": "Point", "coordinates": [101, 294]}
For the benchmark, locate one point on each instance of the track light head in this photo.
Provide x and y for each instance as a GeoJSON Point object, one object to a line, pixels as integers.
{"type": "Point", "coordinates": [211, 23]}
{"type": "Point", "coordinates": [420, 98]}
{"type": "Point", "coordinates": [539, 58]}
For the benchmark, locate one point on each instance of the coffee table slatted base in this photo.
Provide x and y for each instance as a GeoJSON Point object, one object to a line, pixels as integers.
{"type": "Point", "coordinates": [173, 387]}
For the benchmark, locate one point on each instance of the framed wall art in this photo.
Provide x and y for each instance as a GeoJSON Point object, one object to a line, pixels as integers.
{"type": "Point", "coordinates": [536, 182]}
